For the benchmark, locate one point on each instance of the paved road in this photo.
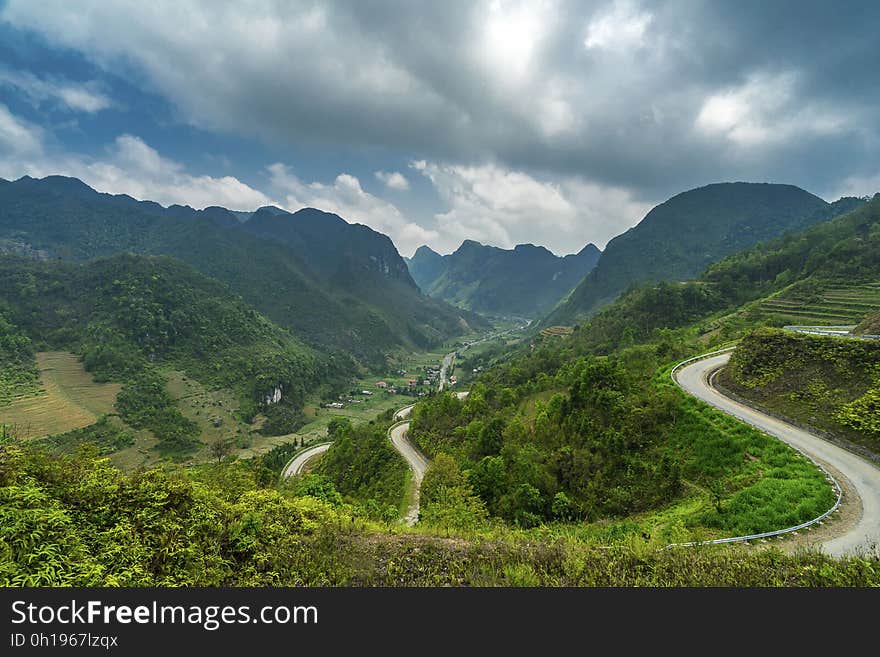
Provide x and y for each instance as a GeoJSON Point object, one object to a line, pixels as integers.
{"type": "Point", "coordinates": [417, 462]}
{"type": "Point", "coordinates": [296, 465]}
{"type": "Point", "coordinates": [863, 476]}
{"type": "Point", "coordinates": [404, 412]}
{"type": "Point", "coordinates": [448, 359]}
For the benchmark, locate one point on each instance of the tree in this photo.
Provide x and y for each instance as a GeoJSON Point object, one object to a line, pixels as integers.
{"type": "Point", "coordinates": [454, 507]}
{"type": "Point", "coordinates": [337, 426]}
{"type": "Point", "coordinates": [220, 448]}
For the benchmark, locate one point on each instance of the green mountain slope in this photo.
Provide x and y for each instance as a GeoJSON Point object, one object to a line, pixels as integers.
{"type": "Point", "coordinates": [588, 425]}
{"type": "Point", "coordinates": [366, 265]}
{"type": "Point", "coordinates": [784, 281]}
{"type": "Point", "coordinates": [64, 218]}
{"type": "Point", "coordinates": [127, 311]}
{"type": "Point", "coordinates": [131, 316]}
{"type": "Point", "coordinates": [679, 238]}
{"type": "Point", "coordinates": [525, 281]}
{"type": "Point", "coordinates": [425, 266]}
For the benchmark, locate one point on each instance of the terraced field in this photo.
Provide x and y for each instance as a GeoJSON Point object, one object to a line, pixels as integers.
{"type": "Point", "coordinates": [836, 305]}
{"type": "Point", "coordinates": [69, 399]}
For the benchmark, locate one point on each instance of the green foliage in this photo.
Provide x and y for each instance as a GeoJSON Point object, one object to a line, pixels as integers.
{"type": "Point", "coordinates": [448, 500]}
{"type": "Point", "coordinates": [364, 466]}
{"type": "Point", "coordinates": [76, 521]}
{"type": "Point", "coordinates": [679, 238]}
{"type": "Point", "coordinates": [599, 450]}
{"type": "Point", "coordinates": [145, 404]}
{"type": "Point", "coordinates": [279, 456]}
{"type": "Point", "coordinates": [827, 382]}
{"type": "Point", "coordinates": [863, 414]}
{"type": "Point", "coordinates": [18, 371]}
{"type": "Point", "coordinates": [317, 486]}
{"type": "Point", "coordinates": [107, 435]}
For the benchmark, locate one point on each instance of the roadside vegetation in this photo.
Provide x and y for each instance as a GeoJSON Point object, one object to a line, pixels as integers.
{"type": "Point", "coordinates": [827, 382]}
{"type": "Point", "coordinates": [76, 521]}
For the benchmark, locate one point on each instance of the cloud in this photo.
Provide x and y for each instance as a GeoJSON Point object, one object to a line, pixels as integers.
{"type": "Point", "coordinates": [502, 207]}
{"type": "Point", "coordinates": [641, 99]}
{"type": "Point", "coordinates": [134, 168]}
{"type": "Point", "coordinates": [345, 197]}
{"type": "Point", "coordinates": [867, 185]}
{"type": "Point", "coordinates": [621, 27]}
{"type": "Point", "coordinates": [766, 109]}
{"type": "Point", "coordinates": [394, 180]}
{"type": "Point", "coordinates": [129, 166]}
{"type": "Point", "coordinates": [17, 136]}
{"type": "Point", "coordinates": [652, 96]}
{"type": "Point", "coordinates": [79, 97]}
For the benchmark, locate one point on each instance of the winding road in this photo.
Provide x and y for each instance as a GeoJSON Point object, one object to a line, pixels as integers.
{"type": "Point", "coordinates": [397, 435]}
{"type": "Point", "coordinates": [861, 479]}
{"type": "Point", "coordinates": [298, 462]}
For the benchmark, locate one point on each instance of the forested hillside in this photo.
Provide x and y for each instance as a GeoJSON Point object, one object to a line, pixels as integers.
{"type": "Point", "coordinates": [580, 425]}
{"type": "Point", "coordinates": [830, 383]}
{"type": "Point", "coordinates": [63, 218]}
{"type": "Point", "coordinates": [127, 315]}
{"type": "Point", "coordinates": [679, 238]}
{"type": "Point", "coordinates": [76, 521]}
{"type": "Point", "coordinates": [843, 253]}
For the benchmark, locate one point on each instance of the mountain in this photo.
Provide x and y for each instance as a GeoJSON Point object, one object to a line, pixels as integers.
{"type": "Point", "coordinates": [129, 314]}
{"type": "Point", "coordinates": [289, 280]}
{"type": "Point", "coordinates": [680, 237]}
{"type": "Point", "coordinates": [348, 254]}
{"type": "Point", "coordinates": [425, 266]}
{"type": "Point", "coordinates": [827, 274]}
{"type": "Point", "coordinates": [364, 263]}
{"type": "Point", "coordinates": [524, 281]}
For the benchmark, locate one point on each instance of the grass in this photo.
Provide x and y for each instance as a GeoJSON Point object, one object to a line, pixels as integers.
{"type": "Point", "coordinates": [70, 398]}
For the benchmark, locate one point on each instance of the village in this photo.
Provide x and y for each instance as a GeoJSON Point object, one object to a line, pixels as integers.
{"type": "Point", "coordinates": [427, 380]}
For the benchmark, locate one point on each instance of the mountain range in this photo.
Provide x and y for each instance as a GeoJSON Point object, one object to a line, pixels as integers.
{"type": "Point", "coordinates": [526, 281]}
{"type": "Point", "coordinates": [337, 286]}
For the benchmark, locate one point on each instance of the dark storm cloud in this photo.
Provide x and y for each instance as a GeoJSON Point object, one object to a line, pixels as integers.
{"type": "Point", "coordinates": [651, 98]}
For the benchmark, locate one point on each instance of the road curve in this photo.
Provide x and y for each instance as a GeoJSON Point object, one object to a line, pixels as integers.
{"type": "Point", "coordinates": [397, 434]}
{"type": "Point", "coordinates": [864, 477]}
{"type": "Point", "coordinates": [417, 462]}
{"type": "Point", "coordinates": [298, 462]}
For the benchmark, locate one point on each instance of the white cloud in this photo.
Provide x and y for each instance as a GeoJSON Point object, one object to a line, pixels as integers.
{"type": "Point", "coordinates": [497, 206]}
{"type": "Point", "coordinates": [17, 136]}
{"type": "Point", "coordinates": [129, 166]}
{"type": "Point", "coordinates": [625, 92]}
{"type": "Point", "coordinates": [345, 197]}
{"type": "Point", "coordinates": [764, 110]}
{"type": "Point", "coordinates": [394, 180]}
{"type": "Point", "coordinates": [620, 28]}
{"type": "Point", "coordinates": [134, 168]}
{"type": "Point", "coordinates": [81, 97]}
{"type": "Point", "coordinates": [858, 186]}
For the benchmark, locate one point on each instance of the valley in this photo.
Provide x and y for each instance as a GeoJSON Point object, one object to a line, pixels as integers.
{"type": "Point", "coordinates": [304, 297]}
{"type": "Point", "coordinates": [503, 429]}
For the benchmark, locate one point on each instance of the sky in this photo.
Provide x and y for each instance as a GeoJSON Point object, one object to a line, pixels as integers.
{"type": "Point", "coordinates": [546, 122]}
